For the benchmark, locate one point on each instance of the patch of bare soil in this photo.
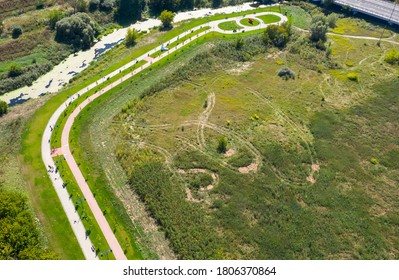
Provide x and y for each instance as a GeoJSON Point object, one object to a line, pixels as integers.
{"type": "Point", "coordinates": [239, 68]}
{"type": "Point", "coordinates": [274, 55]}
{"type": "Point", "coordinates": [315, 168]}
{"type": "Point", "coordinates": [229, 152]}
{"type": "Point", "coordinates": [311, 179]}
{"type": "Point", "coordinates": [253, 167]}
{"type": "Point", "coordinates": [190, 196]}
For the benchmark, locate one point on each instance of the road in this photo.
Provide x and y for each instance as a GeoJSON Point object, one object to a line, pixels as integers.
{"type": "Point", "coordinates": [377, 8]}
{"type": "Point", "coordinates": [47, 155]}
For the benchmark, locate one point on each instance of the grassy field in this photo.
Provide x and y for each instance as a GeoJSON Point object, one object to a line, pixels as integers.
{"type": "Point", "coordinates": [269, 18]}
{"type": "Point", "coordinates": [245, 21]}
{"type": "Point", "coordinates": [229, 25]}
{"type": "Point", "coordinates": [298, 183]}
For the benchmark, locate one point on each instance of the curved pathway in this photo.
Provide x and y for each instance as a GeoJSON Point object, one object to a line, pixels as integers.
{"type": "Point", "coordinates": [62, 193]}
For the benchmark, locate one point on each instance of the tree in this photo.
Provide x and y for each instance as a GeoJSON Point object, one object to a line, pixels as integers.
{"type": "Point", "coordinates": [78, 30]}
{"type": "Point", "coordinates": [328, 2]}
{"type": "Point", "coordinates": [157, 6]}
{"type": "Point", "coordinates": [318, 29]}
{"type": "Point", "coordinates": [79, 6]}
{"type": "Point", "coordinates": [107, 5]}
{"type": "Point", "coordinates": [3, 108]}
{"type": "Point", "coordinates": [130, 9]}
{"type": "Point", "coordinates": [16, 31]}
{"type": "Point", "coordinates": [222, 145]}
{"type": "Point", "coordinates": [186, 4]}
{"type": "Point", "coordinates": [167, 18]}
{"type": "Point", "coordinates": [94, 5]}
{"type": "Point", "coordinates": [131, 37]}
{"type": "Point", "coordinates": [1, 27]}
{"type": "Point", "coordinates": [216, 3]}
{"type": "Point", "coordinates": [54, 17]}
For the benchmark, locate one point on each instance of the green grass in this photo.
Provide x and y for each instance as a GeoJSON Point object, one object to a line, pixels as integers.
{"type": "Point", "coordinates": [229, 25]}
{"type": "Point", "coordinates": [41, 192]}
{"type": "Point", "coordinates": [349, 213]}
{"type": "Point", "coordinates": [245, 21]}
{"type": "Point", "coordinates": [359, 27]}
{"type": "Point", "coordinates": [87, 218]}
{"type": "Point", "coordinates": [269, 18]}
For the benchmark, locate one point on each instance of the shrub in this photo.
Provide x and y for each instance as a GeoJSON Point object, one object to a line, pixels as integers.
{"type": "Point", "coordinates": [131, 37]}
{"type": "Point", "coordinates": [222, 145]}
{"type": "Point", "coordinates": [277, 35]}
{"type": "Point", "coordinates": [16, 31]}
{"type": "Point", "coordinates": [392, 57]}
{"type": "Point", "coordinates": [353, 76]}
{"type": "Point", "coordinates": [332, 20]}
{"type": "Point", "coordinates": [286, 73]}
{"type": "Point", "coordinates": [15, 70]}
{"type": "Point", "coordinates": [167, 18]}
{"type": "Point", "coordinates": [3, 108]}
{"type": "Point", "coordinates": [374, 161]}
{"type": "Point", "coordinates": [318, 29]}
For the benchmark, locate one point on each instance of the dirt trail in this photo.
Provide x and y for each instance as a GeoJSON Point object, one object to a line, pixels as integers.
{"type": "Point", "coordinates": [203, 119]}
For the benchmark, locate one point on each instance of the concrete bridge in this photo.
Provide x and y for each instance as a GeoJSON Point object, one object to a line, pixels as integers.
{"type": "Point", "coordinates": [384, 10]}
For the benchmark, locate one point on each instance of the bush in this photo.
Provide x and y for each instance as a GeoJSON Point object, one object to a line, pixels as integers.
{"type": "Point", "coordinates": [277, 35]}
{"type": "Point", "coordinates": [318, 29]}
{"type": "Point", "coordinates": [3, 108]}
{"type": "Point", "coordinates": [15, 70]}
{"type": "Point", "coordinates": [352, 76]}
{"type": "Point", "coordinates": [131, 37]}
{"type": "Point", "coordinates": [332, 20]}
{"type": "Point", "coordinates": [78, 30]}
{"type": "Point", "coordinates": [392, 57]}
{"type": "Point", "coordinates": [374, 161]}
{"type": "Point", "coordinates": [167, 18]}
{"type": "Point", "coordinates": [222, 145]}
{"type": "Point", "coordinates": [16, 31]}
{"type": "Point", "coordinates": [286, 73]}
